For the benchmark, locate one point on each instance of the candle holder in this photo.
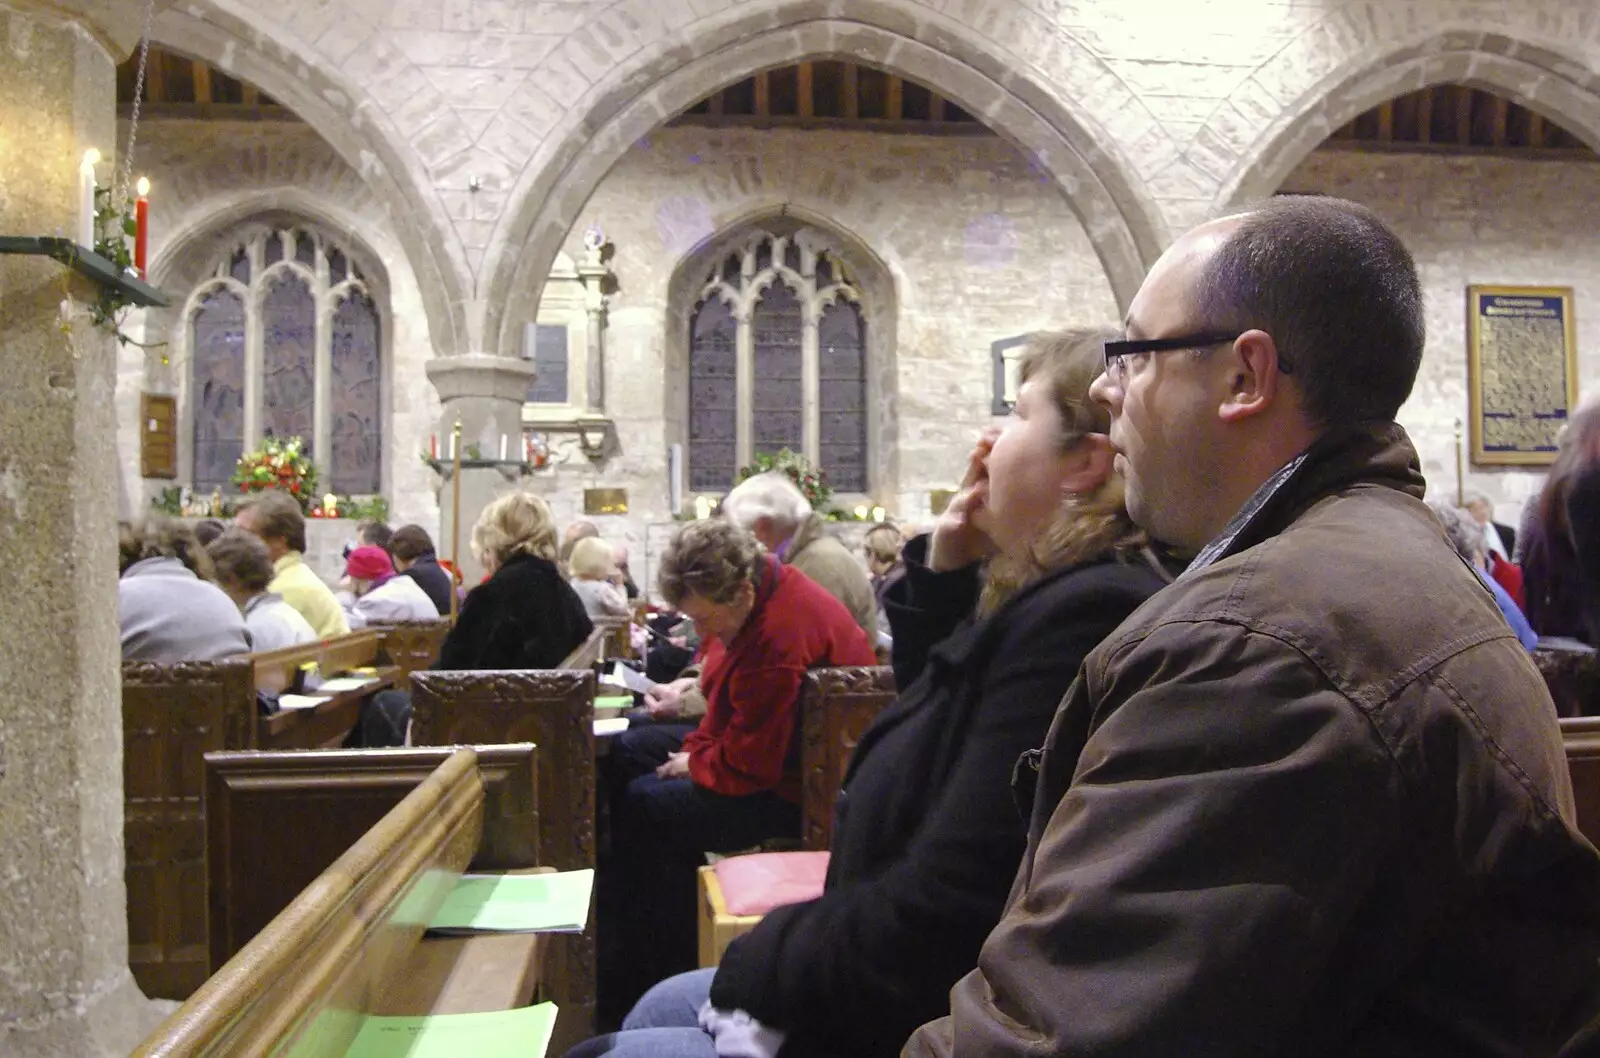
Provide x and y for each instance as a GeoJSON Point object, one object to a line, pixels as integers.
{"type": "Point", "coordinates": [510, 469]}
{"type": "Point", "coordinates": [130, 289]}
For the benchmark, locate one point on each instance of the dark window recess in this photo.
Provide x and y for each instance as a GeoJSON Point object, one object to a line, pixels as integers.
{"type": "Point", "coordinates": [784, 91]}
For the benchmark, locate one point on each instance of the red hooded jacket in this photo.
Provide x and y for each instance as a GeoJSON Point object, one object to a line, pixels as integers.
{"type": "Point", "coordinates": [752, 685]}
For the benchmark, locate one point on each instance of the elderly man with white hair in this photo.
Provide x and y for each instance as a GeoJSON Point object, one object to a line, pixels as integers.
{"type": "Point", "coordinates": [775, 511]}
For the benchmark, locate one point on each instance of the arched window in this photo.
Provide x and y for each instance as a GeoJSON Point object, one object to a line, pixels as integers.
{"type": "Point", "coordinates": [284, 342]}
{"type": "Point", "coordinates": [777, 360]}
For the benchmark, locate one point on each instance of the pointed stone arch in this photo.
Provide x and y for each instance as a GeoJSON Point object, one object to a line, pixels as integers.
{"type": "Point", "coordinates": [874, 290]}
{"type": "Point", "coordinates": [1560, 87]}
{"type": "Point", "coordinates": [1058, 135]}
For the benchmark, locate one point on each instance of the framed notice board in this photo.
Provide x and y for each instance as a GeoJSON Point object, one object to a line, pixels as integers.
{"type": "Point", "coordinates": [158, 436]}
{"type": "Point", "coordinates": [1522, 372]}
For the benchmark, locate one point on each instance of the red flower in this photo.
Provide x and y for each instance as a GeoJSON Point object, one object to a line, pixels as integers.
{"type": "Point", "coordinates": [294, 487]}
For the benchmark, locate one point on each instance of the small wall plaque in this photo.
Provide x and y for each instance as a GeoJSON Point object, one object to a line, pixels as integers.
{"type": "Point", "coordinates": [158, 436]}
{"type": "Point", "coordinates": [605, 501]}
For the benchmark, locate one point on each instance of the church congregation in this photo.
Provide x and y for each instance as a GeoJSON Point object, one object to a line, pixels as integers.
{"type": "Point", "coordinates": [969, 530]}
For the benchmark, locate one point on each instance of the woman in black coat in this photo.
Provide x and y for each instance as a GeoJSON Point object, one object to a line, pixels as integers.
{"type": "Point", "coordinates": [926, 837]}
{"type": "Point", "coordinates": [526, 615]}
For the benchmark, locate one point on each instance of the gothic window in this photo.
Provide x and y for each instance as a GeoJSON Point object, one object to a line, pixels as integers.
{"type": "Point", "coordinates": [284, 341]}
{"type": "Point", "coordinates": [777, 360]}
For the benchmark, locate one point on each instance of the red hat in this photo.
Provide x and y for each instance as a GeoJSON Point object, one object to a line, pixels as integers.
{"type": "Point", "coordinates": [369, 563]}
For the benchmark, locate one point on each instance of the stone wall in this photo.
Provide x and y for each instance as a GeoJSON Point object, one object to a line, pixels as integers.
{"type": "Point", "coordinates": [1476, 220]}
{"type": "Point", "coordinates": [977, 243]}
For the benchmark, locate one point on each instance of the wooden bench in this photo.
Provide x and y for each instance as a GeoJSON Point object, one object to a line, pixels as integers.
{"type": "Point", "coordinates": [329, 723]}
{"type": "Point", "coordinates": [1581, 738]}
{"type": "Point", "coordinates": [274, 821]}
{"type": "Point", "coordinates": [589, 653]}
{"type": "Point", "coordinates": [554, 709]}
{"type": "Point", "coordinates": [1573, 677]}
{"type": "Point", "coordinates": [351, 945]}
{"type": "Point", "coordinates": [172, 715]}
{"type": "Point", "coordinates": [836, 707]}
{"type": "Point", "coordinates": [412, 646]}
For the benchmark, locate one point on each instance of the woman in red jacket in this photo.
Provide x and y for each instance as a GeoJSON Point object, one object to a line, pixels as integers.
{"type": "Point", "coordinates": [736, 781]}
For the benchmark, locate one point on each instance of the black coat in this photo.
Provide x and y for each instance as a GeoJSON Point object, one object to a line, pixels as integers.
{"type": "Point", "coordinates": [926, 837]}
{"type": "Point", "coordinates": [433, 579]}
{"type": "Point", "coordinates": [526, 616]}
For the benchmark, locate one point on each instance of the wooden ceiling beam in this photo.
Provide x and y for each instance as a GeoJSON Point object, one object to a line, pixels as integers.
{"type": "Point", "coordinates": [894, 108]}
{"type": "Point", "coordinates": [1536, 130]}
{"type": "Point", "coordinates": [1386, 121]}
{"type": "Point", "coordinates": [1425, 115]}
{"type": "Point", "coordinates": [1500, 115]}
{"type": "Point", "coordinates": [851, 91]}
{"type": "Point", "coordinates": [763, 95]}
{"type": "Point", "coordinates": [202, 83]}
{"type": "Point", "coordinates": [1464, 116]}
{"type": "Point", "coordinates": [805, 85]}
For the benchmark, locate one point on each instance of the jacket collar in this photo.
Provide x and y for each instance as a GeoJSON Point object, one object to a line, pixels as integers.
{"type": "Point", "coordinates": [1378, 454]}
{"type": "Point", "coordinates": [809, 532]}
{"type": "Point", "coordinates": [159, 566]}
{"type": "Point", "coordinates": [287, 560]}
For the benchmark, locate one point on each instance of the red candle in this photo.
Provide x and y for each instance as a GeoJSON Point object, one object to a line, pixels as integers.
{"type": "Point", "coordinates": [141, 221]}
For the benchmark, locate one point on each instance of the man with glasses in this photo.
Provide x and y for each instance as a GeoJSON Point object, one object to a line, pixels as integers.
{"type": "Point", "coordinates": [1310, 799]}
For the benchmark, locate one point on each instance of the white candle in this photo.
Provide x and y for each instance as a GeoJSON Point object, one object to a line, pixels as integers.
{"type": "Point", "coordinates": [503, 440]}
{"type": "Point", "coordinates": [452, 445]}
{"type": "Point", "coordinates": [91, 158]}
{"type": "Point", "coordinates": [702, 507]}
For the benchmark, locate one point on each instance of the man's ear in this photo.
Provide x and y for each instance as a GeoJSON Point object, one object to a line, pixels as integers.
{"type": "Point", "coordinates": [1089, 465]}
{"type": "Point", "coordinates": [1253, 376]}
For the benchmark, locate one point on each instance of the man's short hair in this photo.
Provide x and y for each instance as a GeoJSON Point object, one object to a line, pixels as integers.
{"type": "Point", "coordinates": [771, 495]}
{"type": "Point", "coordinates": [410, 542]}
{"type": "Point", "coordinates": [277, 515]}
{"type": "Point", "coordinates": [1339, 294]}
{"type": "Point", "coordinates": [241, 559]}
{"type": "Point", "coordinates": [374, 534]}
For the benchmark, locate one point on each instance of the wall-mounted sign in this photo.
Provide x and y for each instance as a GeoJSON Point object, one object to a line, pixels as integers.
{"type": "Point", "coordinates": [1522, 372]}
{"type": "Point", "coordinates": [158, 436]}
{"type": "Point", "coordinates": [605, 501]}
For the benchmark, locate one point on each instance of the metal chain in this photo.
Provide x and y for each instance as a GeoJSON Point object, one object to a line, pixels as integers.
{"type": "Point", "coordinates": [124, 191]}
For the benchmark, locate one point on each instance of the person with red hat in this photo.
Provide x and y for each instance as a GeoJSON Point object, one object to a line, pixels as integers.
{"type": "Point", "coordinates": [377, 596]}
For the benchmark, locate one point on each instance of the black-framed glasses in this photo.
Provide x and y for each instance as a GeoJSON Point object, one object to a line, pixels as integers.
{"type": "Point", "coordinates": [1117, 352]}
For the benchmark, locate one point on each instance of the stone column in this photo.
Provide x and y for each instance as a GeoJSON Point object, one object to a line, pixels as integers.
{"type": "Point", "coordinates": [65, 989]}
{"type": "Point", "coordinates": [486, 394]}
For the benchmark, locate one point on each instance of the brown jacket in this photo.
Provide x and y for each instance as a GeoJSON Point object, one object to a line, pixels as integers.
{"type": "Point", "coordinates": [1309, 800]}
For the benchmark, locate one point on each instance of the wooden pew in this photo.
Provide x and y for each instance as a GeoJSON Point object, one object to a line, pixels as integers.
{"type": "Point", "coordinates": [836, 707]}
{"type": "Point", "coordinates": [352, 943]}
{"type": "Point", "coordinates": [328, 724]}
{"type": "Point", "coordinates": [274, 821]}
{"type": "Point", "coordinates": [1573, 677]}
{"type": "Point", "coordinates": [554, 709]}
{"type": "Point", "coordinates": [1581, 738]}
{"type": "Point", "coordinates": [172, 715]}
{"type": "Point", "coordinates": [588, 653]}
{"type": "Point", "coordinates": [412, 646]}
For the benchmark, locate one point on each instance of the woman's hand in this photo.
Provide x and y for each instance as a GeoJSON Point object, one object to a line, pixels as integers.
{"type": "Point", "coordinates": [676, 767]}
{"type": "Point", "coordinates": [958, 537]}
{"type": "Point", "coordinates": [665, 700]}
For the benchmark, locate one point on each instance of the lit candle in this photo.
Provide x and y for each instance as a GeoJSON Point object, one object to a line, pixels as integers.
{"type": "Point", "coordinates": [91, 158]}
{"type": "Point", "coordinates": [141, 222]}
{"type": "Point", "coordinates": [702, 507]}
{"type": "Point", "coordinates": [330, 506]}
{"type": "Point", "coordinates": [433, 446]}
{"type": "Point", "coordinates": [452, 444]}
{"type": "Point", "coordinates": [878, 514]}
{"type": "Point", "coordinates": [503, 441]}
{"type": "Point", "coordinates": [861, 513]}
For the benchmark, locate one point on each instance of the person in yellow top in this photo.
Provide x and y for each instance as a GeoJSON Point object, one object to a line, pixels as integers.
{"type": "Point", "coordinates": [277, 519]}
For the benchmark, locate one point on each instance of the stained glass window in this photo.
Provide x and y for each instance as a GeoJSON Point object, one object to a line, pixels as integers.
{"type": "Point", "coordinates": [842, 393]}
{"type": "Point", "coordinates": [218, 325]}
{"type": "Point", "coordinates": [357, 397]}
{"type": "Point", "coordinates": [713, 398]}
{"type": "Point", "coordinates": [549, 364]}
{"type": "Point", "coordinates": [274, 325]}
{"type": "Point", "coordinates": [772, 274]}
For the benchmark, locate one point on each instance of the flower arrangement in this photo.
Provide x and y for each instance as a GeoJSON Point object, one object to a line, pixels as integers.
{"type": "Point", "coordinates": [811, 481]}
{"type": "Point", "coordinates": [280, 463]}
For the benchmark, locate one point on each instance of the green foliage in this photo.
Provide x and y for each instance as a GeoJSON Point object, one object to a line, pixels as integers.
{"type": "Point", "coordinates": [811, 481]}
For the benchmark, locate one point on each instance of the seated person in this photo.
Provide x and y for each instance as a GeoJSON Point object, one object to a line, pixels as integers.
{"type": "Point", "coordinates": [277, 519]}
{"type": "Point", "coordinates": [882, 546]}
{"type": "Point", "coordinates": [1463, 532]}
{"type": "Point", "coordinates": [411, 550]}
{"type": "Point", "coordinates": [775, 510]}
{"type": "Point", "coordinates": [629, 588]}
{"type": "Point", "coordinates": [525, 615]}
{"type": "Point", "coordinates": [927, 838]}
{"type": "Point", "coordinates": [377, 596]}
{"type": "Point", "coordinates": [168, 608]}
{"type": "Point", "coordinates": [243, 571]}
{"type": "Point", "coordinates": [206, 530]}
{"type": "Point", "coordinates": [593, 565]}
{"type": "Point", "coordinates": [735, 780]}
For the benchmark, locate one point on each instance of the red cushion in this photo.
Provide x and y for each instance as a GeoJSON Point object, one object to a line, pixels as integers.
{"type": "Point", "coordinates": [755, 884]}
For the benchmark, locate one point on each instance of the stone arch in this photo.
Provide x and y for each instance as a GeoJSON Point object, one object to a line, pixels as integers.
{"type": "Point", "coordinates": [357, 129]}
{"type": "Point", "coordinates": [184, 261]}
{"type": "Point", "coordinates": [1125, 228]}
{"type": "Point", "coordinates": [1557, 86]}
{"type": "Point", "coordinates": [880, 306]}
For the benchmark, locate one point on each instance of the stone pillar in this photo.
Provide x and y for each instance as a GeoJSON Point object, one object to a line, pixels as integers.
{"type": "Point", "coordinates": [486, 394]}
{"type": "Point", "coordinates": [65, 989]}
